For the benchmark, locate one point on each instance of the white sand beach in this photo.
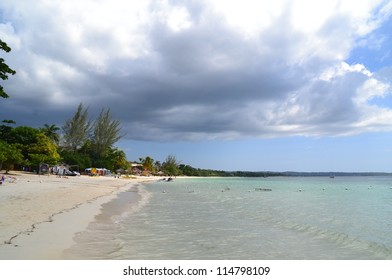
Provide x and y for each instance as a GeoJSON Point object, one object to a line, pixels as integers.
{"type": "Point", "coordinates": [40, 215]}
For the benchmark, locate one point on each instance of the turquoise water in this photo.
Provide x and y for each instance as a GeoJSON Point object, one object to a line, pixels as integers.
{"type": "Point", "coordinates": [226, 218]}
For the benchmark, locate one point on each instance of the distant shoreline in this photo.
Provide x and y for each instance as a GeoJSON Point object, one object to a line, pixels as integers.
{"type": "Point", "coordinates": [188, 170]}
{"type": "Point", "coordinates": [261, 174]}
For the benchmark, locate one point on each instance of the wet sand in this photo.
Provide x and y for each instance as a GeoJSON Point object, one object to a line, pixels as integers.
{"type": "Point", "coordinates": [40, 215]}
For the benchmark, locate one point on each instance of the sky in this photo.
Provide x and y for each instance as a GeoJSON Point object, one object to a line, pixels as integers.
{"type": "Point", "coordinates": [225, 84]}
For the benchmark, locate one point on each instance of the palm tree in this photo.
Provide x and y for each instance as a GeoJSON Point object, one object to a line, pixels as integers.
{"type": "Point", "coordinates": [51, 132]}
{"type": "Point", "coordinates": [148, 163]}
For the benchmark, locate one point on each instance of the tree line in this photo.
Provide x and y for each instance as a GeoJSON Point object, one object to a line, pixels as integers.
{"type": "Point", "coordinates": [188, 170]}
{"type": "Point", "coordinates": [80, 142]}
{"type": "Point", "coordinates": [83, 142]}
{"type": "Point", "coordinates": [89, 143]}
{"type": "Point", "coordinates": [169, 167]}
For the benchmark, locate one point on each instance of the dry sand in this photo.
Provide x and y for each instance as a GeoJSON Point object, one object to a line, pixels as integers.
{"type": "Point", "coordinates": [39, 215]}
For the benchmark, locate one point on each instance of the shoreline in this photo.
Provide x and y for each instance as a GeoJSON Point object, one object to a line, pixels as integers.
{"type": "Point", "coordinates": [40, 215]}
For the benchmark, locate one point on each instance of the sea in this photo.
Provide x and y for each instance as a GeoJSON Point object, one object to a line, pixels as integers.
{"type": "Point", "coordinates": [273, 218]}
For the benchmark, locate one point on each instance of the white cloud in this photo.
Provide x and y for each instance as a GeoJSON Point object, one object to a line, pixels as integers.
{"type": "Point", "coordinates": [177, 18]}
{"type": "Point", "coordinates": [370, 89]}
{"type": "Point", "coordinates": [249, 18]}
{"type": "Point", "coordinates": [343, 68]}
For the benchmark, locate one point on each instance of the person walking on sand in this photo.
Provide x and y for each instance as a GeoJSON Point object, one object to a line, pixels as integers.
{"type": "Point", "coordinates": [2, 179]}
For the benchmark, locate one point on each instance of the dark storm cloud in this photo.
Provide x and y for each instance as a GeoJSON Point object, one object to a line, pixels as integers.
{"type": "Point", "coordinates": [182, 71]}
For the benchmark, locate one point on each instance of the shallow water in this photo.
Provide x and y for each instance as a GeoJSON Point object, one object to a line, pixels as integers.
{"type": "Point", "coordinates": [226, 218]}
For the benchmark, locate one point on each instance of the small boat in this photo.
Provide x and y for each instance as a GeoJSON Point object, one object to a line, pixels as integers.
{"type": "Point", "coordinates": [263, 189]}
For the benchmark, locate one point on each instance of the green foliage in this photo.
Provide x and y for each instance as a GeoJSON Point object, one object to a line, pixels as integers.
{"type": "Point", "coordinates": [148, 163]}
{"type": "Point", "coordinates": [28, 145]}
{"type": "Point", "coordinates": [24, 137]}
{"type": "Point", "coordinates": [118, 159]}
{"type": "Point", "coordinates": [86, 144]}
{"type": "Point", "coordinates": [44, 150]}
{"type": "Point", "coordinates": [5, 130]}
{"type": "Point", "coordinates": [76, 131]}
{"type": "Point", "coordinates": [80, 159]}
{"type": "Point", "coordinates": [10, 154]}
{"type": "Point", "coordinates": [5, 70]}
{"type": "Point", "coordinates": [106, 133]}
{"type": "Point", "coordinates": [52, 132]}
{"type": "Point", "coordinates": [170, 166]}
{"type": "Point", "coordinates": [188, 170]}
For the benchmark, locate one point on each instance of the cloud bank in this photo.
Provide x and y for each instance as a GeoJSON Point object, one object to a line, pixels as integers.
{"type": "Point", "coordinates": [190, 70]}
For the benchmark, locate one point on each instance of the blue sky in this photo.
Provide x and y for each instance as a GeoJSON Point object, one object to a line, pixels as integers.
{"type": "Point", "coordinates": [234, 85]}
{"type": "Point", "coordinates": [363, 153]}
